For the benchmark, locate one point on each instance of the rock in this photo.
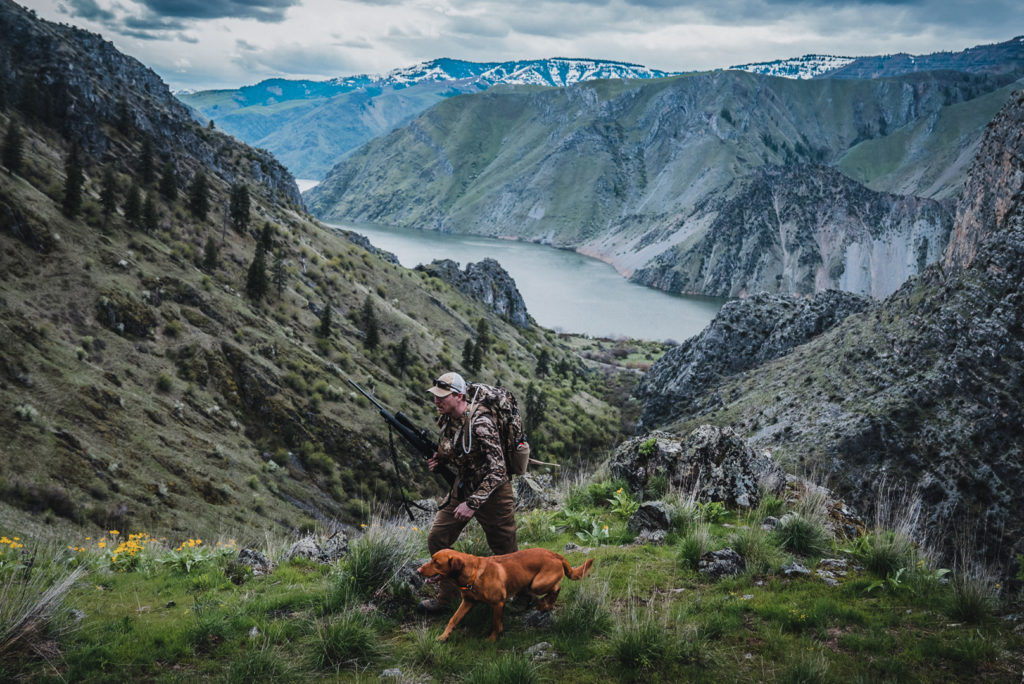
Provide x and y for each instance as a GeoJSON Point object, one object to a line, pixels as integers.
{"type": "Point", "coordinates": [713, 462]}
{"type": "Point", "coordinates": [794, 569]}
{"type": "Point", "coordinates": [485, 281]}
{"type": "Point", "coordinates": [391, 673]}
{"type": "Point", "coordinates": [334, 547]}
{"type": "Point", "coordinates": [307, 548]}
{"type": "Point", "coordinates": [836, 565]}
{"type": "Point", "coordinates": [541, 652]}
{"type": "Point", "coordinates": [651, 516]}
{"type": "Point", "coordinates": [722, 563]}
{"type": "Point", "coordinates": [769, 523]}
{"type": "Point", "coordinates": [533, 491]}
{"type": "Point", "coordinates": [538, 619]}
{"type": "Point", "coordinates": [249, 563]}
{"type": "Point", "coordinates": [827, 577]}
{"type": "Point", "coordinates": [124, 315]}
{"type": "Point", "coordinates": [651, 537]}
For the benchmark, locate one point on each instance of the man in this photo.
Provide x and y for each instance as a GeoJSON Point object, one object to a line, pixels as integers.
{"type": "Point", "coordinates": [482, 489]}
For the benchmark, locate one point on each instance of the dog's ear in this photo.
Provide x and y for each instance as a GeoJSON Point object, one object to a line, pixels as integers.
{"type": "Point", "coordinates": [455, 564]}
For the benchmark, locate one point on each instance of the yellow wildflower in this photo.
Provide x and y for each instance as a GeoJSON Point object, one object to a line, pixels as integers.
{"type": "Point", "coordinates": [114, 532]}
{"type": "Point", "coordinates": [102, 545]}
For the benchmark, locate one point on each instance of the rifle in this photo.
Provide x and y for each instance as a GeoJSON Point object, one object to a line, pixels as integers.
{"type": "Point", "coordinates": [418, 439]}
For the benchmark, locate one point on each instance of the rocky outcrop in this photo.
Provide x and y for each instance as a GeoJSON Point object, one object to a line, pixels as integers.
{"type": "Point", "coordinates": [922, 395]}
{"type": "Point", "coordinates": [83, 87]}
{"type": "Point", "coordinates": [744, 334]}
{"type": "Point", "coordinates": [996, 181]}
{"type": "Point", "coordinates": [713, 463]}
{"type": "Point", "coordinates": [803, 229]}
{"type": "Point", "coordinates": [485, 281]}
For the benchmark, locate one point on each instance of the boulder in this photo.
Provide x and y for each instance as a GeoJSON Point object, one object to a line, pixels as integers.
{"type": "Point", "coordinates": [652, 516]}
{"type": "Point", "coordinates": [485, 281]}
{"type": "Point", "coordinates": [722, 563]}
{"type": "Point", "coordinates": [533, 491]}
{"type": "Point", "coordinates": [713, 462]}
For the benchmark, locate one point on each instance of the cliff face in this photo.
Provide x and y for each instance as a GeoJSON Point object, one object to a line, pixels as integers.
{"type": "Point", "coordinates": [485, 281]}
{"type": "Point", "coordinates": [924, 391]}
{"type": "Point", "coordinates": [994, 186]}
{"type": "Point", "coordinates": [804, 229]}
{"type": "Point", "coordinates": [84, 88]}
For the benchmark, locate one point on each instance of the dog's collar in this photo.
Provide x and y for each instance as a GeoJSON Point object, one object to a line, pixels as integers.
{"type": "Point", "coordinates": [469, 585]}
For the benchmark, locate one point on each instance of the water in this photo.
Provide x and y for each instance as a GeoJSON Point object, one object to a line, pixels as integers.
{"type": "Point", "coordinates": [563, 290]}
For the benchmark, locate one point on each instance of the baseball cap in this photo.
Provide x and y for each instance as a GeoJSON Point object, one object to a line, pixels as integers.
{"type": "Point", "coordinates": [448, 383]}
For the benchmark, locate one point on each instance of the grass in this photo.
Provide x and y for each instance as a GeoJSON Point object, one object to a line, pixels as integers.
{"type": "Point", "coordinates": [644, 614]}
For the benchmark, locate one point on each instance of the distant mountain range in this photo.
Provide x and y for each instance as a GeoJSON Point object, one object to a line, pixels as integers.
{"type": "Point", "coordinates": [311, 125]}
{"type": "Point", "coordinates": [808, 66]}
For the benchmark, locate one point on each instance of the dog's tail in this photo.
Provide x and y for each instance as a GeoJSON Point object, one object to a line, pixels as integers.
{"type": "Point", "coordinates": [577, 573]}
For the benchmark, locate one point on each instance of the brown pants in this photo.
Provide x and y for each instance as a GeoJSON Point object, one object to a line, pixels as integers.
{"type": "Point", "coordinates": [497, 517]}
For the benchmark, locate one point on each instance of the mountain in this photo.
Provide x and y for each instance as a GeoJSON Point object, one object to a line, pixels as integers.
{"type": "Point", "coordinates": [996, 58]}
{"type": "Point", "coordinates": [921, 393]}
{"type": "Point", "coordinates": [627, 171]}
{"type": "Point", "coordinates": [154, 378]}
{"type": "Point", "coordinates": [1000, 58]}
{"type": "Point", "coordinates": [808, 66]}
{"type": "Point", "coordinates": [310, 125]}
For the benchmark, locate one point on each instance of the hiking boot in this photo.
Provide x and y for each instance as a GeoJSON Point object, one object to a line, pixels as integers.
{"type": "Point", "coordinates": [430, 606]}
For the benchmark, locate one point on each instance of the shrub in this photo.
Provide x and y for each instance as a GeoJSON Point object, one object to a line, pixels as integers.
{"type": "Point", "coordinates": [374, 560]}
{"type": "Point", "coordinates": [695, 544]}
{"type": "Point", "coordinates": [31, 597]}
{"type": "Point", "coordinates": [883, 553]}
{"type": "Point", "coordinates": [641, 644]}
{"type": "Point", "coordinates": [974, 596]}
{"type": "Point", "coordinates": [258, 663]}
{"type": "Point", "coordinates": [537, 527]}
{"type": "Point", "coordinates": [164, 382]}
{"type": "Point", "coordinates": [347, 642]}
{"type": "Point", "coordinates": [754, 544]}
{"type": "Point", "coordinates": [803, 535]}
{"type": "Point", "coordinates": [586, 612]}
{"type": "Point", "coordinates": [26, 412]}
{"type": "Point", "coordinates": [509, 667]}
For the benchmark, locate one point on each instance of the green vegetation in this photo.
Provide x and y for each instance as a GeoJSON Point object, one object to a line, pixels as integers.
{"type": "Point", "coordinates": [119, 606]}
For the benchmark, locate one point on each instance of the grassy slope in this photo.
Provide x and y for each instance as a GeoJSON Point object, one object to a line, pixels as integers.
{"type": "Point", "coordinates": [920, 158]}
{"type": "Point", "coordinates": [92, 442]}
{"type": "Point", "coordinates": [157, 621]}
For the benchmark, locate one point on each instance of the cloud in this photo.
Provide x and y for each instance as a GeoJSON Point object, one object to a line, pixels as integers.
{"type": "Point", "coordinates": [272, 11]}
{"type": "Point", "coordinates": [88, 9]}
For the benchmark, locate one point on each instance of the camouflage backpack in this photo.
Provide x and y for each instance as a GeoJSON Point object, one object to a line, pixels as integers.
{"type": "Point", "coordinates": [502, 404]}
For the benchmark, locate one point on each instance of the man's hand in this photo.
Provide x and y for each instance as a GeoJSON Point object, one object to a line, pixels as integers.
{"type": "Point", "coordinates": [463, 512]}
{"type": "Point", "coordinates": [434, 461]}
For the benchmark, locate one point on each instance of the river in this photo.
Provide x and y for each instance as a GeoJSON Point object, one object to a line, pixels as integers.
{"type": "Point", "coordinates": [563, 290]}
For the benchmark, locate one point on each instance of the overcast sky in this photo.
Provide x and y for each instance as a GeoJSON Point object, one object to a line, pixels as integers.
{"type": "Point", "coordinates": [200, 44]}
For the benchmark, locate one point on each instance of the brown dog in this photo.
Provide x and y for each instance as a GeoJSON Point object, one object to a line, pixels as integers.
{"type": "Point", "coordinates": [495, 579]}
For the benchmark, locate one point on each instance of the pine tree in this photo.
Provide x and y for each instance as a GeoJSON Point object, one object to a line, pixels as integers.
{"type": "Point", "coordinates": [402, 357]}
{"type": "Point", "coordinates": [199, 196]}
{"type": "Point", "coordinates": [369, 319]}
{"type": "Point", "coordinates": [267, 236]}
{"type": "Point", "coordinates": [133, 207]}
{"type": "Point", "coordinates": [73, 180]}
{"type": "Point", "coordinates": [478, 357]}
{"type": "Point", "coordinates": [169, 181]}
{"type": "Point", "coordinates": [468, 354]}
{"type": "Point", "coordinates": [210, 254]}
{"type": "Point", "coordinates": [124, 118]}
{"type": "Point", "coordinates": [536, 408]}
{"type": "Point", "coordinates": [325, 320]}
{"type": "Point", "coordinates": [13, 152]}
{"type": "Point", "coordinates": [108, 193]}
{"type": "Point", "coordinates": [483, 336]}
{"type": "Point", "coordinates": [145, 167]}
{"type": "Point", "coordinates": [256, 280]}
{"type": "Point", "coordinates": [150, 219]}
{"type": "Point", "coordinates": [543, 363]}
{"type": "Point", "coordinates": [278, 273]}
{"type": "Point", "coordinates": [239, 208]}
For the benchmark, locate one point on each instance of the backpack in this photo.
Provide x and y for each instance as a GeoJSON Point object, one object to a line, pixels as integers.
{"type": "Point", "coordinates": [502, 404]}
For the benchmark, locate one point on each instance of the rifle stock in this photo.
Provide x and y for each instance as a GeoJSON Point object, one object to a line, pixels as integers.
{"type": "Point", "coordinates": [418, 439]}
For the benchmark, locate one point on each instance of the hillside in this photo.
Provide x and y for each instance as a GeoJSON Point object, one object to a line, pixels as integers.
{"type": "Point", "coordinates": [311, 125]}
{"type": "Point", "coordinates": [922, 391]}
{"type": "Point", "coordinates": [149, 379]}
{"type": "Point", "coordinates": [663, 158]}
